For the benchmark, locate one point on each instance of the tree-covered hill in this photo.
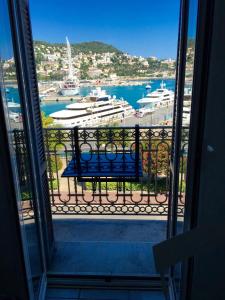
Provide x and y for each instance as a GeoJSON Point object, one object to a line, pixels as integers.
{"type": "Point", "coordinates": [97, 60]}
{"type": "Point", "coordinates": [86, 47]}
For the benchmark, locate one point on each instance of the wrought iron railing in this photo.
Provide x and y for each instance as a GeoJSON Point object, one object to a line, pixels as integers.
{"type": "Point", "coordinates": [21, 155]}
{"type": "Point", "coordinates": [149, 196]}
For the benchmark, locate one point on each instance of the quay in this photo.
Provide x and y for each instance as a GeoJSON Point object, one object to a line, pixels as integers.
{"type": "Point", "coordinates": [163, 115]}
{"type": "Point", "coordinates": [58, 98]}
{"type": "Point", "coordinates": [11, 84]}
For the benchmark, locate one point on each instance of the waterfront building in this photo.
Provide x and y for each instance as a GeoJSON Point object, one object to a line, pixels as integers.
{"type": "Point", "coordinates": [94, 72]}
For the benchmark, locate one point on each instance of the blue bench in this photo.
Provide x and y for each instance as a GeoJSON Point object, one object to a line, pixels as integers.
{"type": "Point", "coordinates": [98, 165]}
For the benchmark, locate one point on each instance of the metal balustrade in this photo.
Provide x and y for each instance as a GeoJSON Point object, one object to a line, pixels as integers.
{"type": "Point", "coordinates": [148, 196]}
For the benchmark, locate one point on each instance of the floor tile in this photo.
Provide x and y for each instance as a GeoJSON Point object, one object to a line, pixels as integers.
{"type": "Point", "coordinates": [146, 295]}
{"type": "Point", "coordinates": [62, 293]}
{"type": "Point", "coordinates": [104, 258]}
{"type": "Point", "coordinates": [74, 230]}
{"type": "Point", "coordinates": [104, 294]}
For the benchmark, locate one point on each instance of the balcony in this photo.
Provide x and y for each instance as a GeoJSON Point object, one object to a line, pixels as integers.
{"type": "Point", "coordinates": [108, 227]}
{"type": "Point", "coordinates": [147, 197]}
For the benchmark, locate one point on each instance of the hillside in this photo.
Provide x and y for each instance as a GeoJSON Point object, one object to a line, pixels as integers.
{"type": "Point", "coordinates": [96, 60]}
{"type": "Point", "coordinates": [86, 47]}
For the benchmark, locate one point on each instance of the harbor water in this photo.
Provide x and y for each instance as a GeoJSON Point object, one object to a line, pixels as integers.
{"type": "Point", "coordinates": [128, 93]}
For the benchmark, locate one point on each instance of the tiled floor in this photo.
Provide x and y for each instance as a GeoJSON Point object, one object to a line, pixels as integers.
{"type": "Point", "coordinates": [106, 247]}
{"type": "Point", "coordinates": [102, 294]}
{"type": "Point", "coordinates": [104, 258]}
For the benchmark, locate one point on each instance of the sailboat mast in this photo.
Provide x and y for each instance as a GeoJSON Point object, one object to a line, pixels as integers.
{"type": "Point", "coordinates": [70, 69]}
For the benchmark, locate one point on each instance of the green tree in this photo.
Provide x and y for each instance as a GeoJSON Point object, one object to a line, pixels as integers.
{"type": "Point", "coordinates": [46, 120]}
{"type": "Point", "coordinates": [54, 162]}
{"type": "Point", "coordinates": [39, 57]}
{"type": "Point", "coordinates": [156, 157]}
{"type": "Point", "coordinates": [84, 67]}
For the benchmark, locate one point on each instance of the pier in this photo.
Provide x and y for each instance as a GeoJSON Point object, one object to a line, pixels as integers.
{"type": "Point", "coordinates": [161, 116]}
{"type": "Point", "coordinates": [58, 98]}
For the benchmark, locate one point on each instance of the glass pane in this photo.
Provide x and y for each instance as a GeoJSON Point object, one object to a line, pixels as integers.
{"type": "Point", "coordinates": [187, 103]}
{"type": "Point", "coordinates": [192, 24]}
{"type": "Point", "coordinates": [14, 116]}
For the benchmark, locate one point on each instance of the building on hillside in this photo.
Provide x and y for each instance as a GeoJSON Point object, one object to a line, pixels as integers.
{"type": "Point", "coordinates": [94, 72]}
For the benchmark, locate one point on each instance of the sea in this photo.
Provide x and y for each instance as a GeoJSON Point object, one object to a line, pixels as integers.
{"type": "Point", "coordinates": [129, 93]}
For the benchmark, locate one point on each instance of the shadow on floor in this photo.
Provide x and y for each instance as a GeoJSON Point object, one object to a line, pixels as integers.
{"type": "Point", "coordinates": [100, 294]}
{"type": "Point", "coordinates": [106, 247]}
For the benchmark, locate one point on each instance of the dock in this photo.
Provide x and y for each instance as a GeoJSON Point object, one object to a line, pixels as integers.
{"type": "Point", "coordinates": [59, 98]}
{"type": "Point", "coordinates": [160, 116]}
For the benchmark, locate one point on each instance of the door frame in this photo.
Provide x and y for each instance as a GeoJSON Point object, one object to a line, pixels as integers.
{"type": "Point", "coordinates": [20, 34]}
{"type": "Point", "coordinates": [16, 264]}
{"type": "Point", "coordinates": [14, 267]}
{"type": "Point", "coordinates": [19, 61]}
{"type": "Point", "coordinates": [177, 119]}
{"type": "Point", "coordinates": [200, 78]}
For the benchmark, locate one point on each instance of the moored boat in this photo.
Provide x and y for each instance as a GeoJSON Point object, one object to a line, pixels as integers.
{"type": "Point", "coordinates": [70, 86]}
{"type": "Point", "coordinates": [99, 95]}
{"type": "Point", "coordinates": [159, 98]}
{"type": "Point", "coordinates": [100, 111]}
{"type": "Point", "coordinates": [13, 104]}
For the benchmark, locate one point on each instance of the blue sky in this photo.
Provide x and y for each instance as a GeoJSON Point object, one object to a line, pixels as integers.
{"type": "Point", "coordinates": [144, 27]}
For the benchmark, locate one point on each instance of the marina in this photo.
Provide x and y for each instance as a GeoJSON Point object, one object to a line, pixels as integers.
{"type": "Point", "coordinates": [130, 93]}
{"type": "Point", "coordinates": [54, 103]}
{"type": "Point", "coordinates": [74, 102]}
{"type": "Point", "coordinates": [100, 108]}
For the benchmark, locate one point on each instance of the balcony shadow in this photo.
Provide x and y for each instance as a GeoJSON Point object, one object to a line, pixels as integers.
{"type": "Point", "coordinates": [111, 247]}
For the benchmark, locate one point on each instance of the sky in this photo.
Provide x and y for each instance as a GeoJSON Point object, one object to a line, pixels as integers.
{"type": "Point", "coordinates": [141, 27]}
{"type": "Point", "coordinates": [6, 48]}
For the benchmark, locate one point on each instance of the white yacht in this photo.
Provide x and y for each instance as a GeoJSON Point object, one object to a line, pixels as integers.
{"type": "Point", "coordinates": [70, 86]}
{"type": "Point", "coordinates": [187, 106]}
{"type": "Point", "coordinates": [99, 95]}
{"type": "Point", "coordinates": [167, 96]}
{"type": "Point", "coordinates": [13, 104]}
{"type": "Point", "coordinates": [159, 98]}
{"type": "Point", "coordinates": [93, 113]}
{"type": "Point", "coordinates": [187, 96]}
{"type": "Point", "coordinates": [186, 115]}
